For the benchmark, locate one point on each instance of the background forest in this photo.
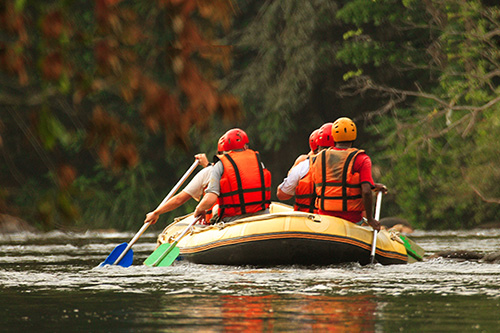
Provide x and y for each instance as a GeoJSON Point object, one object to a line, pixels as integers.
{"type": "Point", "coordinates": [104, 103]}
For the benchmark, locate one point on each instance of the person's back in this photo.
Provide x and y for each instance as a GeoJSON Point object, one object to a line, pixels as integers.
{"type": "Point", "coordinates": [343, 179]}
{"type": "Point", "coordinates": [338, 186]}
{"type": "Point", "coordinates": [299, 182]}
{"type": "Point", "coordinates": [239, 181]}
{"type": "Point", "coordinates": [244, 185]}
{"type": "Point", "coordinates": [305, 195]}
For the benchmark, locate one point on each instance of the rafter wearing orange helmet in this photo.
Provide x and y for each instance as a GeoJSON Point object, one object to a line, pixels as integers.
{"type": "Point", "coordinates": [342, 177]}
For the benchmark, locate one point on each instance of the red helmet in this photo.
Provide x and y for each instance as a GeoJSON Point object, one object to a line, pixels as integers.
{"type": "Point", "coordinates": [325, 138]}
{"type": "Point", "coordinates": [313, 140]}
{"type": "Point", "coordinates": [220, 144]}
{"type": "Point", "coordinates": [235, 139]}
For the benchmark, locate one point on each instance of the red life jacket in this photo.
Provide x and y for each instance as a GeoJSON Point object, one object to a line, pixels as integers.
{"type": "Point", "coordinates": [245, 185]}
{"type": "Point", "coordinates": [337, 188]}
{"type": "Point", "coordinates": [304, 193]}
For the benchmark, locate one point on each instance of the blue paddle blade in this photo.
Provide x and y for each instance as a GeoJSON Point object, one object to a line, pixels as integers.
{"type": "Point", "coordinates": [126, 261]}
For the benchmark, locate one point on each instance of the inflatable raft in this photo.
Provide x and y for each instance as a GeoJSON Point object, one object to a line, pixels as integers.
{"type": "Point", "coordinates": [285, 237]}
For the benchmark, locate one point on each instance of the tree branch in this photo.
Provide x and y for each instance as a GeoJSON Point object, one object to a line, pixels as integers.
{"type": "Point", "coordinates": [488, 200]}
{"type": "Point", "coordinates": [27, 99]}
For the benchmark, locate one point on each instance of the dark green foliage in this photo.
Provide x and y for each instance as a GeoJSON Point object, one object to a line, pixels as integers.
{"type": "Point", "coordinates": [438, 147]}
{"type": "Point", "coordinates": [287, 46]}
{"type": "Point", "coordinates": [419, 77]}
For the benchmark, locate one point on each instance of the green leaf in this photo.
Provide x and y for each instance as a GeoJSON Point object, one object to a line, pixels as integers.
{"type": "Point", "coordinates": [19, 5]}
{"type": "Point", "coordinates": [51, 130]}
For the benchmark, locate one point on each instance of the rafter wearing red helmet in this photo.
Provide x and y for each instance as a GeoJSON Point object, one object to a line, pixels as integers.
{"type": "Point", "coordinates": [298, 183]}
{"type": "Point", "coordinates": [194, 189]}
{"type": "Point", "coordinates": [325, 138]}
{"type": "Point", "coordinates": [239, 183]}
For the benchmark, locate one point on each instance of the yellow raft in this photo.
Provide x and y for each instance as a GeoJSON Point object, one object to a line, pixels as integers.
{"type": "Point", "coordinates": [284, 237]}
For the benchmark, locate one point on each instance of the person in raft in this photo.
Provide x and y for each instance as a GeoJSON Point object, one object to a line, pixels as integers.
{"type": "Point", "coordinates": [194, 189]}
{"type": "Point", "coordinates": [342, 177]}
{"type": "Point", "coordinates": [299, 183]}
{"type": "Point", "coordinates": [239, 182]}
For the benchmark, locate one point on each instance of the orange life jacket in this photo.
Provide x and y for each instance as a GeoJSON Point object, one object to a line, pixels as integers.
{"type": "Point", "coordinates": [245, 185]}
{"type": "Point", "coordinates": [304, 193]}
{"type": "Point", "coordinates": [337, 188]}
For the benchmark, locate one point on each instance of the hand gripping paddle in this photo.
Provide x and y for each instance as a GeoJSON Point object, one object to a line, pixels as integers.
{"type": "Point", "coordinates": [122, 254]}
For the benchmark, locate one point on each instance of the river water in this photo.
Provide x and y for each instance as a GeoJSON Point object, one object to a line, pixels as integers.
{"type": "Point", "coordinates": [51, 282]}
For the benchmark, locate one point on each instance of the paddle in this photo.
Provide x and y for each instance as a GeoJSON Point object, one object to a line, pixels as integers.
{"type": "Point", "coordinates": [416, 253]}
{"type": "Point", "coordinates": [166, 253]}
{"type": "Point", "coordinates": [375, 232]}
{"type": "Point", "coordinates": [122, 254]}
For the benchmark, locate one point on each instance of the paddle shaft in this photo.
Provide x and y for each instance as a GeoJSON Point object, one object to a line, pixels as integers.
{"type": "Point", "coordinates": [167, 251]}
{"type": "Point", "coordinates": [375, 232]}
{"type": "Point", "coordinates": [146, 225]}
{"type": "Point", "coordinates": [180, 182]}
{"type": "Point", "coordinates": [132, 242]}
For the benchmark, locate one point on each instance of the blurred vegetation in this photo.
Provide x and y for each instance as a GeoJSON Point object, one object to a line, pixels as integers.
{"type": "Point", "coordinates": [439, 125]}
{"type": "Point", "coordinates": [104, 103]}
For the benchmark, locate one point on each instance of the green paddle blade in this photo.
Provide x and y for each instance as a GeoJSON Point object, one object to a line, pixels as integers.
{"type": "Point", "coordinates": [167, 251]}
{"type": "Point", "coordinates": [413, 249]}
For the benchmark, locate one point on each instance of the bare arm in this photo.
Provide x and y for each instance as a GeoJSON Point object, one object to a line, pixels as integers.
{"type": "Point", "coordinates": [282, 195]}
{"type": "Point", "coordinates": [171, 204]}
{"type": "Point", "coordinates": [205, 204]}
{"type": "Point", "coordinates": [366, 192]}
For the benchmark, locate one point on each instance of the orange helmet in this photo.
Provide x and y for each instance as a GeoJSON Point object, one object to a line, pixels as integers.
{"type": "Point", "coordinates": [325, 138]}
{"type": "Point", "coordinates": [235, 139]}
{"type": "Point", "coordinates": [220, 144]}
{"type": "Point", "coordinates": [344, 129]}
{"type": "Point", "coordinates": [312, 140]}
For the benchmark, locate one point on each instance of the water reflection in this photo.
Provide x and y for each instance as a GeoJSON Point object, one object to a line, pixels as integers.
{"type": "Point", "coordinates": [51, 282]}
{"type": "Point", "coordinates": [300, 313]}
